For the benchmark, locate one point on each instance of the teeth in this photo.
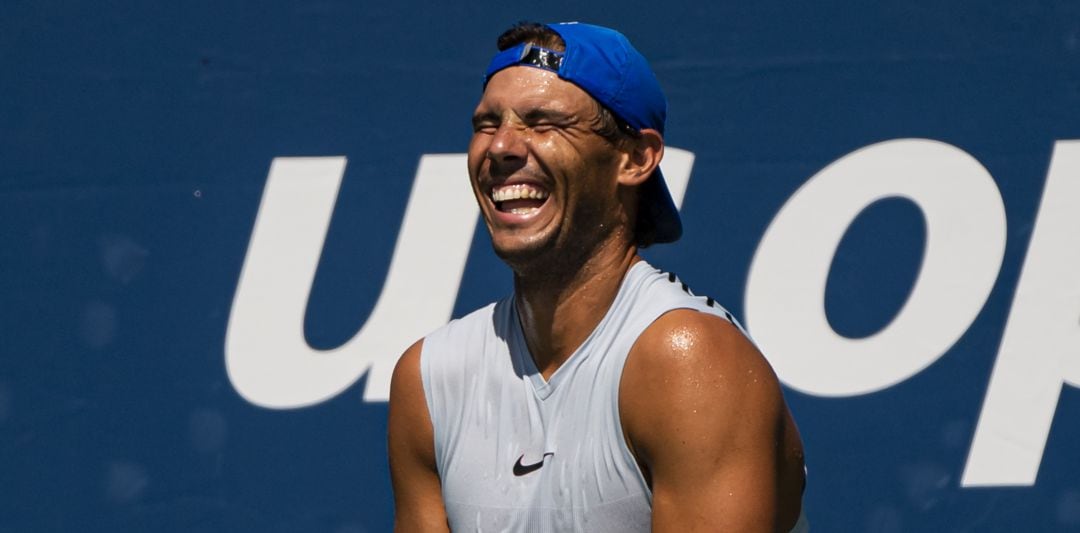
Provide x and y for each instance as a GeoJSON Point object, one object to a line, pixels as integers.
{"type": "Point", "coordinates": [523, 210]}
{"type": "Point", "coordinates": [518, 192]}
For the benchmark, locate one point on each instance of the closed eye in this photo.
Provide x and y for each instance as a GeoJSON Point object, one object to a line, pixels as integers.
{"type": "Point", "coordinates": [485, 123]}
{"type": "Point", "coordinates": [539, 119]}
{"type": "Point", "coordinates": [546, 119]}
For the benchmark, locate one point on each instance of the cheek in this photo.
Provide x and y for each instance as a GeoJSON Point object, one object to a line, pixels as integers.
{"type": "Point", "coordinates": [558, 155]}
{"type": "Point", "coordinates": [477, 150]}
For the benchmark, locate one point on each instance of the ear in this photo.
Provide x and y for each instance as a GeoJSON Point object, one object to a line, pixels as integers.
{"type": "Point", "coordinates": [643, 157]}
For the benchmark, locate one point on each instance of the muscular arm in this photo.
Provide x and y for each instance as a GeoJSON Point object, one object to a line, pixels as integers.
{"type": "Point", "coordinates": [418, 502]}
{"type": "Point", "coordinates": [703, 412]}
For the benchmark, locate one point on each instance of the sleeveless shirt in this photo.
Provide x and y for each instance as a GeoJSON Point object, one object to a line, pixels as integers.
{"type": "Point", "coordinates": [517, 453]}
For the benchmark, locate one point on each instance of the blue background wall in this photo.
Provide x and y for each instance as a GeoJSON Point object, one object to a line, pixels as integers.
{"type": "Point", "coordinates": [135, 140]}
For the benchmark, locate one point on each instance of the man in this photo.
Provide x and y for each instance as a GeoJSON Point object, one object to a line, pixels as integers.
{"type": "Point", "coordinates": [602, 395]}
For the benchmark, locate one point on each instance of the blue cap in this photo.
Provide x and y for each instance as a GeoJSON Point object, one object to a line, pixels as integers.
{"type": "Point", "coordinates": [604, 64]}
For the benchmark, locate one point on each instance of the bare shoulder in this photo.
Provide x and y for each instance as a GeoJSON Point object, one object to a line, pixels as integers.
{"type": "Point", "coordinates": [410, 433]}
{"type": "Point", "coordinates": [688, 353]}
{"type": "Point", "coordinates": [705, 416]}
{"type": "Point", "coordinates": [411, 443]}
{"type": "Point", "coordinates": [406, 377]}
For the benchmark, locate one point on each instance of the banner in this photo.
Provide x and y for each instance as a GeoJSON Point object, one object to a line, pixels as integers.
{"type": "Point", "coordinates": [223, 222]}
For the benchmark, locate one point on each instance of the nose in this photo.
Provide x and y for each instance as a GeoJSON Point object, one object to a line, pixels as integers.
{"type": "Point", "coordinates": [508, 145]}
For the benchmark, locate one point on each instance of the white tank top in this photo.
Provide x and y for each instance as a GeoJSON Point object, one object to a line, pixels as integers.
{"type": "Point", "coordinates": [517, 453]}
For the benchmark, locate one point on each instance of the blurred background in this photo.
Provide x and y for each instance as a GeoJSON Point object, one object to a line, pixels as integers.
{"type": "Point", "coordinates": [136, 140]}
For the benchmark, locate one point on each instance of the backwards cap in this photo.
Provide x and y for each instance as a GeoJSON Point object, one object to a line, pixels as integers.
{"type": "Point", "coordinates": [604, 64]}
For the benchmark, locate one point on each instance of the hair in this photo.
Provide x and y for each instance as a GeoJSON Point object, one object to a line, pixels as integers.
{"type": "Point", "coordinates": [606, 124]}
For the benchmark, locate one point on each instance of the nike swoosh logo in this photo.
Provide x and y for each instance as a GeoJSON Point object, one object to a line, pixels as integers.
{"type": "Point", "coordinates": [521, 470]}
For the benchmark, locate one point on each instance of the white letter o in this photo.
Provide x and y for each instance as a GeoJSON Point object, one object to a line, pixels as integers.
{"type": "Point", "coordinates": [965, 243]}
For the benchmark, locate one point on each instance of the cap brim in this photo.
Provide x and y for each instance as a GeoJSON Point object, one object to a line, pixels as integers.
{"type": "Point", "coordinates": [659, 207]}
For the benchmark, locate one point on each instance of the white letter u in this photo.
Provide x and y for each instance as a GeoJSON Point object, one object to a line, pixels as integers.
{"type": "Point", "coordinates": [268, 360]}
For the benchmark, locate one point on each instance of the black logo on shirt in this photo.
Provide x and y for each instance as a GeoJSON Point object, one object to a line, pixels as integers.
{"type": "Point", "coordinates": [521, 470]}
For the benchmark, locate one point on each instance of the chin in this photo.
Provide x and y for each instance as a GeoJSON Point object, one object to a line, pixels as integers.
{"type": "Point", "coordinates": [524, 252]}
{"type": "Point", "coordinates": [517, 251]}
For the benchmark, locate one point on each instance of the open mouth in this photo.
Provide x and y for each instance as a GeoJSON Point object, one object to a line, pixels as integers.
{"type": "Point", "coordinates": [519, 198]}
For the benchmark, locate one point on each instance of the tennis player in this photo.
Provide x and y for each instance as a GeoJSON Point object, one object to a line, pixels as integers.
{"type": "Point", "coordinates": [602, 395]}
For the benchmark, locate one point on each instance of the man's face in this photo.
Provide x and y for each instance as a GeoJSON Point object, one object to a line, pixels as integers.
{"type": "Point", "coordinates": [545, 181]}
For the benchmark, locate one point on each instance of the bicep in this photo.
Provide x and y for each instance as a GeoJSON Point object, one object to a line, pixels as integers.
{"type": "Point", "coordinates": [705, 414]}
{"type": "Point", "coordinates": [716, 475]}
{"type": "Point", "coordinates": [410, 440]}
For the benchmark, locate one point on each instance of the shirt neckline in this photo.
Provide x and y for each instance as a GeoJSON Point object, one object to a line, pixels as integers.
{"type": "Point", "coordinates": [545, 388]}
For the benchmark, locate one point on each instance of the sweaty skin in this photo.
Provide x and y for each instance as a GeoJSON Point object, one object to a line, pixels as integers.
{"type": "Point", "coordinates": [701, 408]}
{"type": "Point", "coordinates": [703, 412]}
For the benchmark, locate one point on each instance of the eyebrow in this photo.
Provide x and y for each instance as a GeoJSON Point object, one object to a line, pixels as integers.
{"type": "Point", "coordinates": [537, 114]}
{"type": "Point", "coordinates": [486, 116]}
{"type": "Point", "coordinates": [532, 115]}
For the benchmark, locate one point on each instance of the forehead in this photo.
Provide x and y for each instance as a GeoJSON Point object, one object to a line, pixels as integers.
{"type": "Point", "coordinates": [518, 86]}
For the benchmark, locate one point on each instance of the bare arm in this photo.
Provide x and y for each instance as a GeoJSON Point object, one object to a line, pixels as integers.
{"type": "Point", "coordinates": [704, 414]}
{"type": "Point", "coordinates": [418, 502]}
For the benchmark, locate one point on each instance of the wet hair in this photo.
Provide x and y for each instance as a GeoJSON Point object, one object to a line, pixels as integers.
{"type": "Point", "coordinates": [606, 124]}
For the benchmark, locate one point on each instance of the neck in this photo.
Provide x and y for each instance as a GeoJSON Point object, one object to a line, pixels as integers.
{"type": "Point", "coordinates": [561, 307]}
